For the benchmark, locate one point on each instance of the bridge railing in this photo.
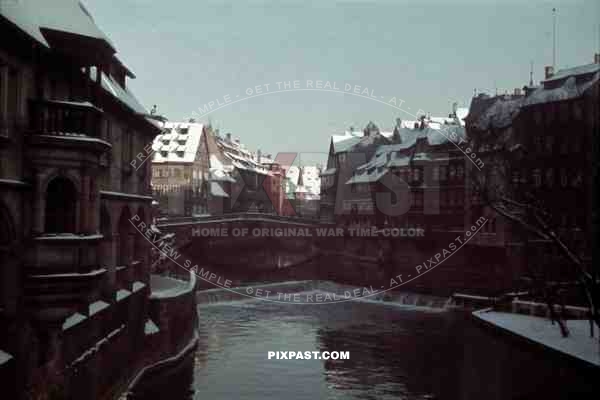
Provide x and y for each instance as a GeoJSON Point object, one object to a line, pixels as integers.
{"type": "Point", "coordinates": [249, 216]}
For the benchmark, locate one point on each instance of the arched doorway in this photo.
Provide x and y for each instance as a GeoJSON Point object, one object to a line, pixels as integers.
{"type": "Point", "coordinates": [61, 205]}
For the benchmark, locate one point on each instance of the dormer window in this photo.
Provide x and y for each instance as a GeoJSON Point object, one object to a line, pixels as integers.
{"type": "Point", "coordinates": [164, 154]}
{"type": "Point", "coordinates": [166, 142]}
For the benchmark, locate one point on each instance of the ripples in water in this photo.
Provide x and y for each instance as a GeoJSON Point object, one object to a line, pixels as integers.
{"type": "Point", "coordinates": [395, 353]}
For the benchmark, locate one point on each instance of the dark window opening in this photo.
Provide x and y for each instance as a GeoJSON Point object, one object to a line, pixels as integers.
{"type": "Point", "coordinates": [61, 203]}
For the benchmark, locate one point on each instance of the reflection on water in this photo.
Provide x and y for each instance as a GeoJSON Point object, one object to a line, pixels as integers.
{"type": "Point", "coordinates": [395, 352]}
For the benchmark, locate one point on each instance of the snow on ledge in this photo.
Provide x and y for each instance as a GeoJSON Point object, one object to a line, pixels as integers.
{"type": "Point", "coordinates": [137, 286]}
{"type": "Point", "coordinates": [98, 306]}
{"type": "Point", "coordinates": [578, 344]}
{"type": "Point", "coordinates": [123, 294]}
{"type": "Point", "coordinates": [166, 287]}
{"type": "Point", "coordinates": [150, 327]}
{"type": "Point", "coordinates": [4, 357]}
{"type": "Point", "coordinates": [73, 320]}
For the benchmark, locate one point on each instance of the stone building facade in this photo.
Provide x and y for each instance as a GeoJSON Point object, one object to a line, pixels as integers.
{"type": "Point", "coordinates": [538, 148]}
{"type": "Point", "coordinates": [74, 272]}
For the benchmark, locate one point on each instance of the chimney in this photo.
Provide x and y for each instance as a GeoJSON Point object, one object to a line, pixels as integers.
{"type": "Point", "coordinates": [549, 71]}
{"type": "Point", "coordinates": [237, 140]}
{"type": "Point", "coordinates": [228, 136]}
{"type": "Point", "coordinates": [517, 92]}
{"type": "Point", "coordinates": [597, 58]}
{"type": "Point", "coordinates": [258, 155]}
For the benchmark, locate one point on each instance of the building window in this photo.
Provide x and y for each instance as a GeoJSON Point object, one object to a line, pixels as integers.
{"type": "Point", "coordinates": [417, 199]}
{"type": "Point", "coordinates": [127, 147]}
{"type": "Point", "coordinates": [126, 238]}
{"type": "Point", "coordinates": [550, 114]}
{"type": "Point", "coordinates": [12, 95]}
{"type": "Point", "coordinates": [564, 112]}
{"type": "Point", "coordinates": [443, 173]}
{"type": "Point", "coordinates": [537, 116]}
{"type": "Point", "coordinates": [577, 180]}
{"type": "Point", "coordinates": [537, 177]}
{"type": "Point", "coordinates": [564, 146]}
{"type": "Point", "coordinates": [416, 174]}
{"type": "Point", "coordinates": [549, 143]}
{"type": "Point", "coordinates": [549, 177]}
{"type": "Point", "coordinates": [9, 98]}
{"type": "Point", "coordinates": [516, 176]}
{"type": "Point", "coordinates": [563, 177]}
{"type": "Point", "coordinates": [3, 83]}
{"type": "Point", "coordinates": [61, 205]}
{"type": "Point", "coordinates": [576, 144]}
{"type": "Point", "coordinates": [537, 141]}
{"type": "Point", "coordinates": [460, 197]}
{"type": "Point", "coordinates": [578, 111]}
{"type": "Point", "coordinates": [444, 198]}
{"type": "Point", "coordinates": [436, 173]}
{"type": "Point", "coordinates": [460, 172]}
{"type": "Point", "coordinates": [107, 130]}
{"type": "Point", "coordinates": [475, 197]}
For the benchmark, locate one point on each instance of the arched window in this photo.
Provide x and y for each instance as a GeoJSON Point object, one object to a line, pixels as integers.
{"type": "Point", "coordinates": [140, 241]}
{"type": "Point", "coordinates": [61, 204]}
{"type": "Point", "coordinates": [105, 230]}
{"type": "Point", "coordinates": [125, 244]}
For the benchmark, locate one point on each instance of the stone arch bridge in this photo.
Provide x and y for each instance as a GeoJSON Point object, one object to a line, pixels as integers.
{"type": "Point", "coordinates": [265, 247]}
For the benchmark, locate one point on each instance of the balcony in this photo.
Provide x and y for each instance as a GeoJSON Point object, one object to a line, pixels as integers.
{"type": "Point", "coordinates": [62, 274]}
{"type": "Point", "coordinates": [66, 124]}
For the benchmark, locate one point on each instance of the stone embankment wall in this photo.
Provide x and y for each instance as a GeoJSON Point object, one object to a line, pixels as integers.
{"type": "Point", "coordinates": [170, 333]}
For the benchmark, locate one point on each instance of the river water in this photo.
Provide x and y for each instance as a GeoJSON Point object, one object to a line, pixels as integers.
{"type": "Point", "coordinates": [396, 352]}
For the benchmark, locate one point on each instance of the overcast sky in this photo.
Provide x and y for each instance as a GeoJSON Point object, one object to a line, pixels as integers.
{"type": "Point", "coordinates": [428, 54]}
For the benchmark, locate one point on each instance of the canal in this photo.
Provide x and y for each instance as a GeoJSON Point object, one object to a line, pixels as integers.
{"type": "Point", "coordinates": [396, 352]}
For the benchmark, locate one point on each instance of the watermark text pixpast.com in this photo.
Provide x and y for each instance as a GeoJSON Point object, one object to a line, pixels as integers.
{"type": "Point", "coordinates": [308, 355]}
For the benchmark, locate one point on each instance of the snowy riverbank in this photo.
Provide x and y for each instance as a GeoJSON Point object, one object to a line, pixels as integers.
{"type": "Point", "coordinates": [540, 330]}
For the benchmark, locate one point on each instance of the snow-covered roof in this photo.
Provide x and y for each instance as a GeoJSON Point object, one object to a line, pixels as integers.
{"type": "Point", "coordinates": [179, 148]}
{"type": "Point", "coordinates": [372, 175]}
{"type": "Point", "coordinates": [500, 114]}
{"type": "Point", "coordinates": [124, 95]}
{"type": "Point", "coordinates": [70, 16]}
{"type": "Point", "coordinates": [422, 157]}
{"type": "Point", "coordinates": [403, 161]}
{"type": "Point", "coordinates": [569, 89]}
{"type": "Point", "coordinates": [343, 143]}
{"type": "Point", "coordinates": [370, 140]}
{"type": "Point", "coordinates": [574, 71]}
